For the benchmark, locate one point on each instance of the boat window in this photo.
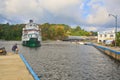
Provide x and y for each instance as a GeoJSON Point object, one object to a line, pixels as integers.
{"type": "Point", "coordinates": [30, 35]}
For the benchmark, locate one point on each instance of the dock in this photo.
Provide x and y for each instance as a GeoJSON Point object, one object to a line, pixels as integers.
{"type": "Point", "coordinates": [13, 68]}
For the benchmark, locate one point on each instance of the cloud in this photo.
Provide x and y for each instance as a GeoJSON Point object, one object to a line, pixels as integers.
{"type": "Point", "coordinates": [63, 10]}
{"type": "Point", "coordinates": [20, 6]}
{"type": "Point", "coordinates": [99, 10]}
{"type": "Point", "coordinates": [100, 16]}
{"type": "Point", "coordinates": [57, 6]}
{"type": "Point", "coordinates": [21, 9]}
{"type": "Point", "coordinates": [72, 12]}
{"type": "Point", "coordinates": [113, 6]}
{"type": "Point", "coordinates": [90, 28]}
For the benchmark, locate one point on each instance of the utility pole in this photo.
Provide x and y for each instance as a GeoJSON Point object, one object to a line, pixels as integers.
{"type": "Point", "coordinates": [115, 16]}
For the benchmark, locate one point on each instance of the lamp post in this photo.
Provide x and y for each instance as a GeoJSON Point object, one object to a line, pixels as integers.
{"type": "Point", "coordinates": [115, 16]}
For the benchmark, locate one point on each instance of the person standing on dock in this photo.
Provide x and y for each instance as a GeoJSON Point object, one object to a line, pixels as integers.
{"type": "Point", "coordinates": [15, 49]}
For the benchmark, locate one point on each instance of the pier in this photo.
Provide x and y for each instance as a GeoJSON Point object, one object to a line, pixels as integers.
{"type": "Point", "coordinates": [13, 68]}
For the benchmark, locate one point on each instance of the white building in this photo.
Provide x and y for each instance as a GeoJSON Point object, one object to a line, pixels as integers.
{"type": "Point", "coordinates": [106, 35]}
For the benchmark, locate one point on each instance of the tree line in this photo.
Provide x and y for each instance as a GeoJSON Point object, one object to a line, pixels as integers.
{"type": "Point", "coordinates": [11, 32]}
{"type": "Point", "coordinates": [48, 31]}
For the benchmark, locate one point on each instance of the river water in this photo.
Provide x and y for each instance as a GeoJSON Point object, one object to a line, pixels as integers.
{"type": "Point", "coordinates": [67, 61]}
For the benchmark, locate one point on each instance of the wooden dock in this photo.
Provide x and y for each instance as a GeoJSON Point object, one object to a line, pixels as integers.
{"type": "Point", "coordinates": [13, 68]}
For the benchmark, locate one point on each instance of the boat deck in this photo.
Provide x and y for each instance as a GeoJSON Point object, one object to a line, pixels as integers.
{"type": "Point", "coordinates": [13, 68]}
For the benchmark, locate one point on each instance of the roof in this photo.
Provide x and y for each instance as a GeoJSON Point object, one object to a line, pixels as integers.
{"type": "Point", "coordinates": [75, 38]}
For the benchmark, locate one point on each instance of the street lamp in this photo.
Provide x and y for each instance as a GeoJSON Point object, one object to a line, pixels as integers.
{"type": "Point", "coordinates": [115, 16]}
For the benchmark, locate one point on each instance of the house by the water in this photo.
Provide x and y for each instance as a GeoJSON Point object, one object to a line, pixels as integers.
{"type": "Point", "coordinates": [105, 36]}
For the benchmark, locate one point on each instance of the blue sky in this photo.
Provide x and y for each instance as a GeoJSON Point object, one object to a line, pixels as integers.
{"type": "Point", "coordinates": [86, 8]}
{"type": "Point", "coordinates": [91, 15]}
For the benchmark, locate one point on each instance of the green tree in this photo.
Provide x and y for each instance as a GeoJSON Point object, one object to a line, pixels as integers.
{"type": "Point", "coordinates": [118, 39]}
{"type": "Point", "coordinates": [78, 28]}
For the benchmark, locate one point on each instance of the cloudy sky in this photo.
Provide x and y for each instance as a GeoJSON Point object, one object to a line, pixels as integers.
{"type": "Point", "coordinates": [91, 15]}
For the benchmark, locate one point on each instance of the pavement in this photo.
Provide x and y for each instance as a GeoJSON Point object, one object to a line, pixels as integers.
{"type": "Point", "coordinates": [13, 68]}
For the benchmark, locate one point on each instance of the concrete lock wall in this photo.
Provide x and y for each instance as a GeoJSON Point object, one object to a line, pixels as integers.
{"type": "Point", "coordinates": [114, 54]}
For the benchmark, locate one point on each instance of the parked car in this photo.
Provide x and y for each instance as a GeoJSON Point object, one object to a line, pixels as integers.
{"type": "Point", "coordinates": [108, 42]}
{"type": "Point", "coordinates": [87, 43]}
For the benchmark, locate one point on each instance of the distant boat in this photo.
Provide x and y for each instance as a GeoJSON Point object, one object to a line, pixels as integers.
{"type": "Point", "coordinates": [31, 35]}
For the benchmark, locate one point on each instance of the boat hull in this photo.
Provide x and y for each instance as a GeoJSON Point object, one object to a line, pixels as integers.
{"type": "Point", "coordinates": [33, 42]}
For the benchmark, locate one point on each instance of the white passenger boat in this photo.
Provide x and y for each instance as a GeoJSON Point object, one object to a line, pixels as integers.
{"type": "Point", "coordinates": [31, 35]}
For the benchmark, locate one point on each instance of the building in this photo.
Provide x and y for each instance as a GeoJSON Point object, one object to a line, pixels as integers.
{"type": "Point", "coordinates": [74, 38]}
{"type": "Point", "coordinates": [106, 35]}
